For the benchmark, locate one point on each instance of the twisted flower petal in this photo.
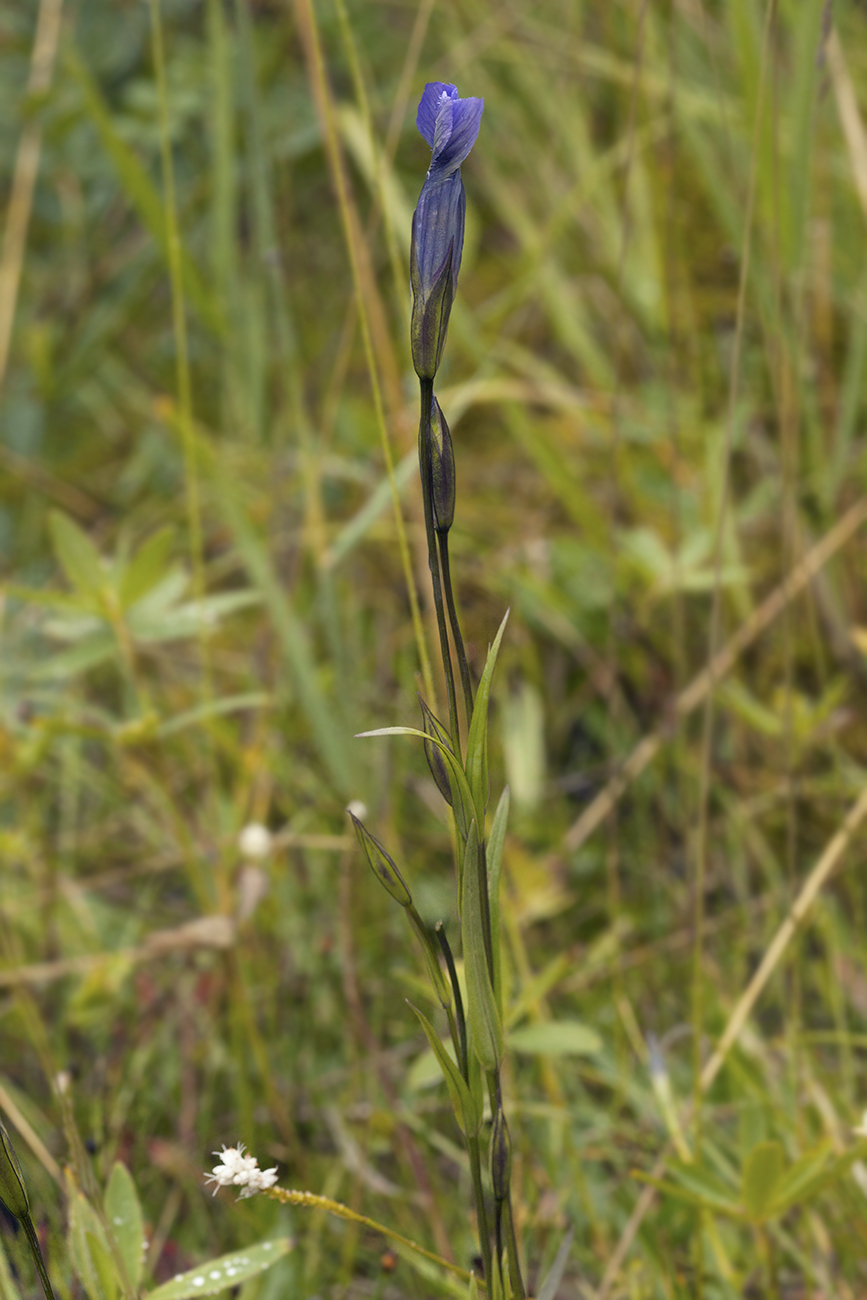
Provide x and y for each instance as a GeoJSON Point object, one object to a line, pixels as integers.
{"type": "Point", "coordinates": [450, 125]}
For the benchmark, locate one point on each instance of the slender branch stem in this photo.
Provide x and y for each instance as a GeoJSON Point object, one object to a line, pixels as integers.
{"type": "Point", "coordinates": [463, 666]}
{"type": "Point", "coordinates": [460, 1041]}
{"type": "Point", "coordinates": [474, 1152]}
{"type": "Point", "coordinates": [312, 1201]}
{"type": "Point", "coordinates": [517, 1281]}
{"type": "Point", "coordinates": [424, 459]}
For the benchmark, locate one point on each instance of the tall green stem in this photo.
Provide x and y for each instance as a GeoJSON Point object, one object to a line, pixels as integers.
{"type": "Point", "coordinates": [463, 666]}
{"type": "Point", "coordinates": [424, 460]}
{"type": "Point", "coordinates": [515, 1278]}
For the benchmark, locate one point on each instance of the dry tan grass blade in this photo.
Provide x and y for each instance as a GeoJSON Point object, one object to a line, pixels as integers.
{"type": "Point", "coordinates": [692, 695]}
{"type": "Point", "coordinates": [26, 169]}
{"type": "Point", "coordinates": [818, 877]}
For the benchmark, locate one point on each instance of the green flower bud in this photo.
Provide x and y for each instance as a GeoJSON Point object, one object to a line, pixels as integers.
{"type": "Point", "coordinates": [439, 768]}
{"type": "Point", "coordinates": [381, 864]}
{"type": "Point", "coordinates": [13, 1193]}
{"type": "Point", "coordinates": [442, 470]}
{"type": "Point", "coordinates": [501, 1156]}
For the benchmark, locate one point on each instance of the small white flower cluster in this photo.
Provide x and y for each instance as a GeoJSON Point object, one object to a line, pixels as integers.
{"type": "Point", "coordinates": [237, 1170]}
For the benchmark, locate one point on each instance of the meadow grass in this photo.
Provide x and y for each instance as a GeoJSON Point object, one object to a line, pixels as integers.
{"type": "Point", "coordinates": [215, 576]}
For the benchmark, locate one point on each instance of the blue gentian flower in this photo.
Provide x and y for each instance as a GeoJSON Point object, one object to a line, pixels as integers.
{"type": "Point", "coordinates": [450, 125]}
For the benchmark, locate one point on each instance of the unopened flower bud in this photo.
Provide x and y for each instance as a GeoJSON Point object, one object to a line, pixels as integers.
{"type": "Point", "coordinates": [450, 125]}
{"type": "Point", "coordinates": [442, 470]}
{"type": "Point", "coordinates": [13, 1192]}
{"type": "Point", "coordinates": [439, 768]}
{"type": "Point", "coordinates": [501, 1156]}
{"type": "Point", "coordinates": [381, 864]}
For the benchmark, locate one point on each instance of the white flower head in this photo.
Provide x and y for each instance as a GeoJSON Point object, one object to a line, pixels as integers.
{"type": "Point", "coordinates": [238, 1170]}
{"type": "Point", "coordinates": [255, 841]}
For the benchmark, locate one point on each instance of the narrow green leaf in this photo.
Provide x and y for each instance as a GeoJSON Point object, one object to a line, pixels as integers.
{"type": "Point", "coordinates": [76, 554]}
{"type": "Point", "coordinates": [463, 800]}
{"type": "Point", "coordinates": [477, 742]}
{"type": "Point", "coordinates": [442, 987]}
{"type": "Point", "coordinates": [496, 840]}
{"type": "Point", "coordinates": [124, 1216]}
{"type": "Point", "coordinates": [763, 1169]}
{"type": "Point", "coordinates": [227, 1271]}
{"type": "Point", "coordinates": [486, 1028]}
{"type": "Point", "coordinates": [468, 1115]}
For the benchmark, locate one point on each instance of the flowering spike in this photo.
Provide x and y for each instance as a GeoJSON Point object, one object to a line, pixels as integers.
{"type": "Point", "coordinates": [450, 125]}
{"type": "Point", "coordinates": [442, 470]}
{"type": "Point", "coordinates": [237, 1170]}
{"type": "Point", "coordinates": [381, 864]}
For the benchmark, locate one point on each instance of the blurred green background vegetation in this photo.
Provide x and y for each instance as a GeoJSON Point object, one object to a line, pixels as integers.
{"type": "Point", "coordinates": [655, 380]}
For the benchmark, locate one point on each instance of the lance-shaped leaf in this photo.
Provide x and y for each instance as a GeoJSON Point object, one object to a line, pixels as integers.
{"type": "Point", "coordinates": [124, 1217]}
{"type": "Point", "coordinates": [477, 743]}
{"type": "Point", "coordinates": [762, 1172]}
{"type": "Point", "coordinates": [486, 1028]}
{"type": "Point", "coordinates": [381, 864]}
{"type": "Point", "coordinates": [463, 800]}
{"type": "Point", "coordinates": [227, 1271]}
{"type": "Point", "coordinates": [467, 1112]}
{"type": "Point", "coordinates": [13, 1192]}
{"type": "Point", "coordinates": [496, 840]}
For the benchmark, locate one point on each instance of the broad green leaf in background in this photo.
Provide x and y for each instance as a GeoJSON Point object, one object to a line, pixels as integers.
{"type": "Point", "coordinates": [103, 1265]}
{"type": "Point", "coordinates": [123, 1212]}
{"type": "Point", "coordinates": [76, 554]}
{"type": "Point", "coordinates": [555, 1038]}
{"type": "Point", "coordinates": [147, 567]}
{"type": "Point", "coordinates": [807, 1176]}
{"type": "Point", "coordinates": [225, 1272]}
{"type": "Point", "coordinates": [85, 1229]}
{"type": "Point", "coordinates": [763, 1169]}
